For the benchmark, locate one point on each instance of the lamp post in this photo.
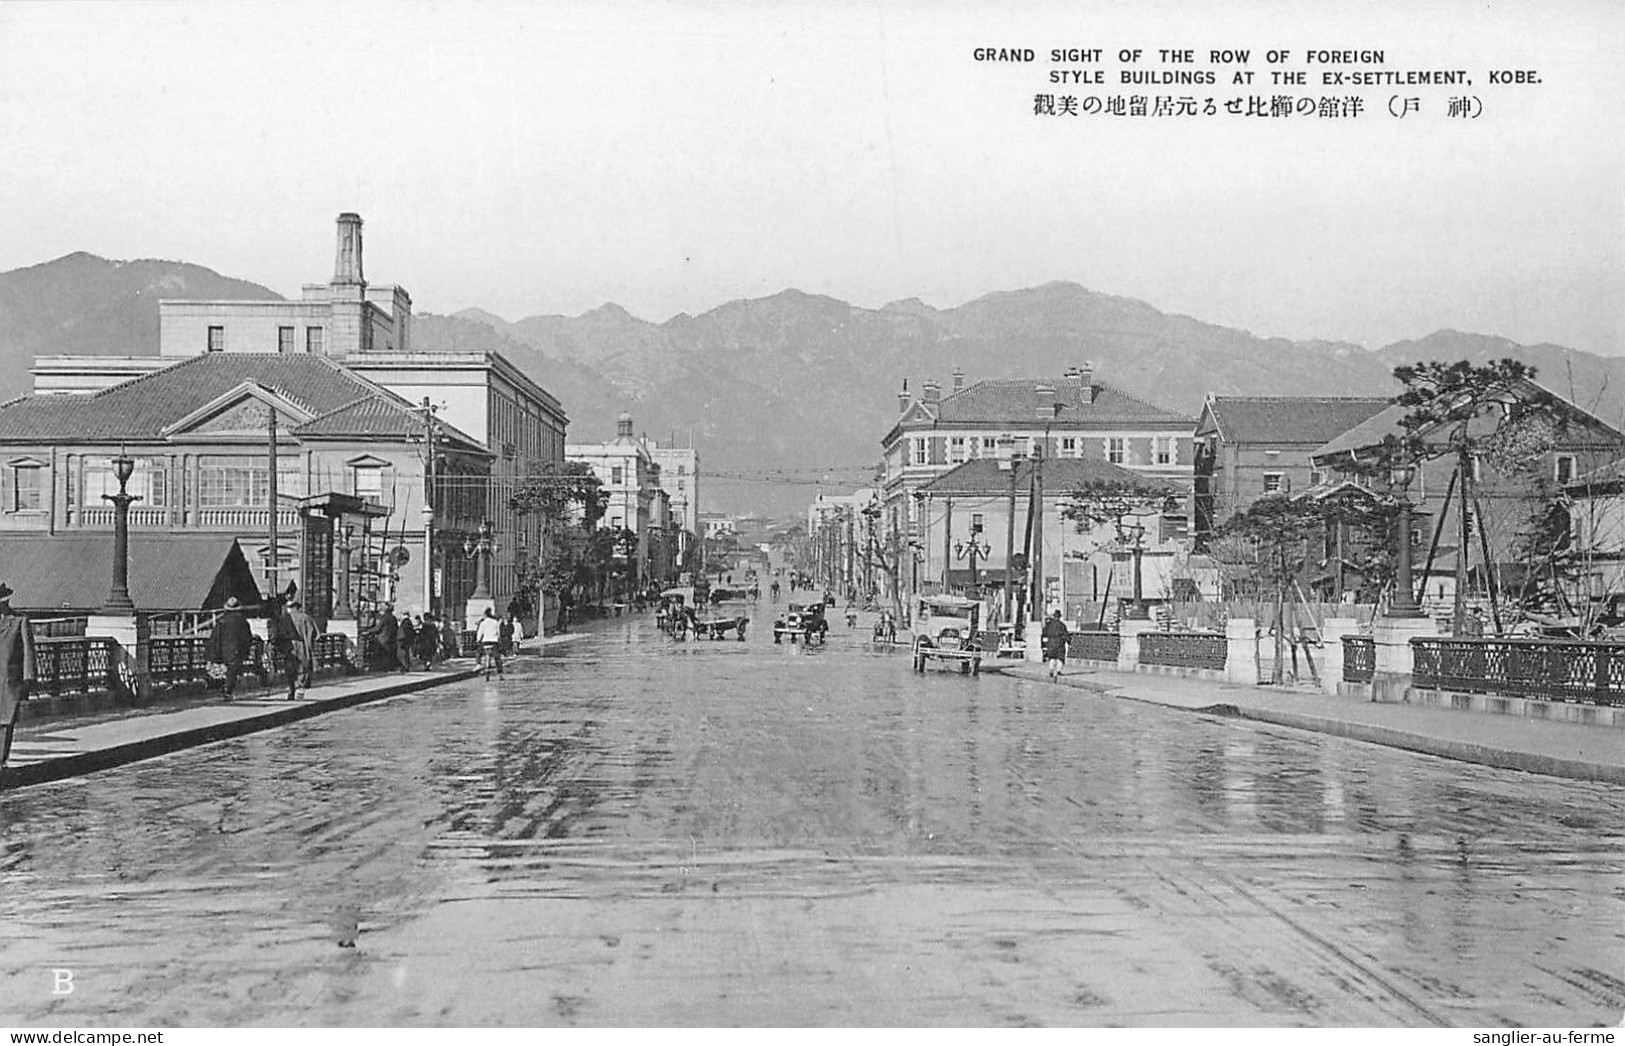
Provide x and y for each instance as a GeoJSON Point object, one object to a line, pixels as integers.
{"type": "Point", "coordinates": [1137, 611]}
{"type": "Point", "coordinates": [1404, 602]}
{"type": "Point", "coordinates": [341, 609]}
{"type": "Point", "coordinates": [973, 551]}
{"type": "Point", "coordinates": [118, 597]}
{"type": "Point", "coordinates": [478, 548]}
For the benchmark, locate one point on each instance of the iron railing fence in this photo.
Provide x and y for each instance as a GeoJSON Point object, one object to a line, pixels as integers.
{"type": "Point", "coordinates": [73, 665]}
{"type": "Point", "coordinates": [1183, 649]}
{"type": "Point", "coordinates": [1095, 646]}
{"type": "Point", "coordinates": [1563, 670]}
{"type": "Point", "coordinates": [1359, 659]}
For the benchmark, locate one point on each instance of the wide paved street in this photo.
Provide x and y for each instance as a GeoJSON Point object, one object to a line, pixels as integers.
{"type": "Point", "coordinates": [630, 830]}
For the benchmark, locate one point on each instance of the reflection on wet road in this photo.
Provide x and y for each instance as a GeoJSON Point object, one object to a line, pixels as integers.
{"type": "Point", "coordinates": [632, 830]}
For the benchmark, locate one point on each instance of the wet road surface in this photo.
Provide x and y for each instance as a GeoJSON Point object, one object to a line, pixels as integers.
{"type": "Point", "coordinates": [635, 831]}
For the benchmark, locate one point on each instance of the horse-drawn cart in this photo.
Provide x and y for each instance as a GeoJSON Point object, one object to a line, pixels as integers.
{"type": "Point", "coordinates": [804, 623]}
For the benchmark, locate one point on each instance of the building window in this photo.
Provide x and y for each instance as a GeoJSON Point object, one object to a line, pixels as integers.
{"type": "Point", "coordinates": [920, 451]}
{"type": "Point", "coordinates": [1315, 477]}
{"type": "Point", "coordinates": [226, 481]}
{"type": "Point", "coordinates": [1273, 482]}
{"type": "Point", "coordinates": [1069, 446]}
{"type": "Point", "coordinates": [1165, 450]}
{"type": "Point", "coordinates": [368, 482]}
{"type": "Point", "coordinates": [682, 470]}
{"type": "Point", "coordinates": [149, 481]}
{"type": "Point", "coordinates": [1116, 449]}
{"type": "Point", "coordinates": [27, 488]}
{"type": "Point", "coordinates": [313, 340]}
{"type": "Point", "coordinates": [284, 339]}
{"type": "Point", "coordinates": [1565, 468]}
{"type": "Point", "coordinates": [217, 339]}
{"type": "Point", "coordinates": [975, 522]}
{"type": "Point", "coordinates": [615, 474]}
{"type": "Point", "coordinates": [956, 449]}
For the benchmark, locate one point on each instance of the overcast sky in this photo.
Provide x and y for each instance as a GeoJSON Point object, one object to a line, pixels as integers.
{"type": "Point", "coordinates": [673, 157]}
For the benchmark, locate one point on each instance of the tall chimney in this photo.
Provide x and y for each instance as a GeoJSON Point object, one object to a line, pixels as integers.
{"type": "Point", "coordinates": [1006, 452]}
{"type": "Point", "coordinates": [1086, 383]}
{"type": "Point", "coordinates": [959, 380]}
{"type": "Point", "coordinates": [903, 398]}
{"type": "Point", "coordinates": [933, 391]}
{"type": "Point", "coordinates": [347, 262]}
{"type": "Point", "coordinates": [1046, 401]}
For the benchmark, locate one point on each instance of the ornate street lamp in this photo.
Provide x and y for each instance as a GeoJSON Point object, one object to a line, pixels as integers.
{"type": "Point", "coordinates": [118, 598]}
{"type": "Point", "coordinates": [479, 549]}
{"type": "Point", "coordinates": [1404, 602]}
{"type": "Point", "coordinates": [972, 550]}
{"type": "Point", "coordinates": [1137, 612]}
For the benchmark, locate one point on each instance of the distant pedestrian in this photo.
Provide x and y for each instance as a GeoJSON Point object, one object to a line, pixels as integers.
{"type": "Point", "coordinates": [428, 640]}
{"type": "Point", "coordinates": [385, 634]}
{"type": "Point", "coordinates": [1055, 636]}
{"type": "Point", "coordinates": [512, 633]}
{"type": "Point", "coordinates": [17, 668]}
{"type": "Point", "coordinates": [406, 637]}
{"type": "Point", "coordinates": [305, 634]}
{"type": "Point", "coordinates": [230, 643]}
{"type": "Point", "coordinates": [449, 645]}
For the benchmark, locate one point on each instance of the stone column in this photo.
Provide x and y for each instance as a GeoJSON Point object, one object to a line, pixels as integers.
{"type": "Point", "coordinates": [1332, 631]}
{"type": "Point", "coordinates": [1034, 639]}
{"type": "Point", "coordinates": [130, 633]}
{"type": "Point", "coordinates": [1241, 651]}
{"type": "Point", "coordinates": [1393, 636]}
{"type": "Point", "coordinates": [1128, 650]}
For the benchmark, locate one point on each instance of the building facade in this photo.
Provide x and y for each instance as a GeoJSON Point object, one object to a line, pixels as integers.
{"type": "Point", "coordinates": [629, 478]}
{"type": "Point", "coordinates": [201, 432]}
{"type": "Point", "coordinates": [368, 327]}
{"type": "Point", "coordinates": [679, 478]}
{"type": "Point", "coordinates": [1251, 447]}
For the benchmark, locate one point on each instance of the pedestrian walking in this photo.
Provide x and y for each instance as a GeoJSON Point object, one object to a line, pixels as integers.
{"type": "Point", "coordinates": [385, 634]}
{"type": "Point", "coordinates": [428, 640]}
{"type": "Point", "coordinates": [282, 644]}
{"type": "Point", "coordinates": [18, 669]}
{"type": "Point", "coordinates": [1055, 636]}
{"type": "Point", "coordinates": [305, 634]}
{"type": "Point", "coordinates": [406, 637]}
{"type": "Point", "coordinates": [230, 643]}
{"type": "Point", "coordinates": [449, 644]}
{"type": "Point", "coordinates": [512, 633]}
{"type": "Point", "coordinates": [489, 637]}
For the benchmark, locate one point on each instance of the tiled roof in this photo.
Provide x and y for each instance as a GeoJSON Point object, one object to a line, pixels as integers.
{"type": "Point", "coordinates": [1368, 433]}
{"type": "Point", "coordinates": [984, 477]}
{"type": "Point", "coordinates": [344, 403]}
{"type": "Point", "coordinates": [167, 571]}
{"type": "Point", "coordinates": [1290, 419]}
{"type": "Point", "coordinates": [1007, 400]}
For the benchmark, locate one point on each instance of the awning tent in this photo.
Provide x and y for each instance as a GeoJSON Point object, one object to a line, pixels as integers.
{"type": "Point", "coordinates": [72, 573]}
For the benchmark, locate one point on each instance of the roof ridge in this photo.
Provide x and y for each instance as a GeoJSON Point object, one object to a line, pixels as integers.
{"type": "Point", "coordinates": [139, 378]}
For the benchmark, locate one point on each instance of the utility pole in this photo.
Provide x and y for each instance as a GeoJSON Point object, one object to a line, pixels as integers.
{"type": "Point", "coordinates": [271, 494]}
{"type": "Point", "coordinates": [1035, 561]}
{"type": "Point", "coordinates": [428, 410]}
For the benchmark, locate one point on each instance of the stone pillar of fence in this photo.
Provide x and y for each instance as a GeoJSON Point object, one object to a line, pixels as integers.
{"type": "Point", "coordinates": [1241, 651]}
{"type": "Point", "coordinates": [1332, 631]}
{"type": "Point", "coordinates": [1392, 638]}
{"type": "Point", "coordinates": [1128, 651]}
{"type": "Point", "coordinates": [1033, 642]}
{"type": "Point", "coordinates": [129, 659]}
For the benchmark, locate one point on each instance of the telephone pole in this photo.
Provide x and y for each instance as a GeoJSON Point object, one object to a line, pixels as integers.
{"type": "Point", "coordinates": [428, 410]}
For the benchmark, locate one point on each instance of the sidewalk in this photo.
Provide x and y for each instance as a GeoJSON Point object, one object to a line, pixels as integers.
{"type": "Point", "coordinates": [1586, 753]}
{"type": "Point", "coordinates": [68, 746]}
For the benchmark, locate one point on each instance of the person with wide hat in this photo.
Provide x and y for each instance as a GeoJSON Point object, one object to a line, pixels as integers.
{"type": "Point", "coordinates": [231, 642]}
{"type": "Point", "coordinates": [17, 668]}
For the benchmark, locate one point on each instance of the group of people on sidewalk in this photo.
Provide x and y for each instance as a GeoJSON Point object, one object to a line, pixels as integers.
{"type": "Point", "coordinates": [291, 636]}
{"type": "Point", "coordinates": [425, 638]}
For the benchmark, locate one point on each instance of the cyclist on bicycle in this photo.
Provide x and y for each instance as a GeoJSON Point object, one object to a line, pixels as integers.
{"type": "Point", "coordinates": [489, 637]}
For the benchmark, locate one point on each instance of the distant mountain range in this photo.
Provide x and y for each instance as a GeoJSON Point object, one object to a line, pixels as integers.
{"type": "Point", "coordinates": [787, 396]}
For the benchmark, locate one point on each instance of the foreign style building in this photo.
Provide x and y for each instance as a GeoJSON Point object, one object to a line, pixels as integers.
{"type": "Point", "coordinates": [630, 480]}
{"type": "Point", "coordinates": [516, 423]}
{"type": "Point", "coordinates": [201, 433]}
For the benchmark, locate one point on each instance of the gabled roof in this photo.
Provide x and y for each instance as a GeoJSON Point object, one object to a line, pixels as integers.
{"type": "Point", "coordinates": [338, 401]}
{"type": "Point", "coordinates": [1370, 433]}
{"type": "Point", "coordinates": [167, 571]}
{"type": "Point", "coordinates": [1061, 476]}
{"type": "Point", "coordinates": [1289, 419]}
{"type": "Point", "coordinates": [1015, 401]}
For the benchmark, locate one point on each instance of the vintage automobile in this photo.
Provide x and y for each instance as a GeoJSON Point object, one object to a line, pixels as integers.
{"type": "Point", "coordinates": [946, 631]}
{"type": "Point", "coordinates": [806, 623]}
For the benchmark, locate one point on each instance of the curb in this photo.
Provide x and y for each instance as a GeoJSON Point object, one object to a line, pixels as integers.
{"type": "Point", "coordinates": [119, 755]}
{"type": "Point", "coordinates": [1461, 751]}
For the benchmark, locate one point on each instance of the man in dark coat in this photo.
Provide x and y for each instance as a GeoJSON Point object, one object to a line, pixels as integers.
{"type": "Point", "coordinates": [305, 634]}
{"type": "Point", "coordinates": [17, 668]}
{"type": "Point", "coordinates": [428, 640]}
{"type": "Point", "coordinates": [1055, 636]}
{"type": "Point", "coordinates": [231, 642]}
{"type": "Point", "coordinates": [385, 634]}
